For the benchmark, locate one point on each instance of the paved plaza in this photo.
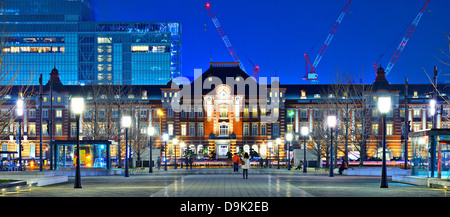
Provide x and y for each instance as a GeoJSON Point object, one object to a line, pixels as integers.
{"type": "Point", "coordinates": [226, 183]}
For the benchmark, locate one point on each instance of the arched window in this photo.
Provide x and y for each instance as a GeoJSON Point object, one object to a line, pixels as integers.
{"type": "Point", "coordinates": [192, 147]}
{"type": "Point", "coordinates": [263, 151]}
{"type": "Point", "coordinates": [255, 148]}
{"type": "Point", "coordinates": [247, 149]}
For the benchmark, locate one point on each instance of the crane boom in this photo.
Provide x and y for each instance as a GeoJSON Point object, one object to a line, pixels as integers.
{"type": "Point", "coordinates": [405, 39]}
{"type": "Point", "coordinates": [312, 75]}
{"type": "Point", "coordinates": [255, 70]}
{"type": "Point", "coordinates": [222, 34]}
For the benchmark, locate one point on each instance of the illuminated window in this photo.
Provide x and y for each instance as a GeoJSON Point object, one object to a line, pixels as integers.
{"type": "Point", "coordinates": [140, 48]}
{"type": "Point", "coordinates": [255, 112]}
{"type": "Point", "coordinates": [183, 129]}
{"type": "Point", "coordinates": [389, 129]}
{"type": "Point", "coordinates": [58, 129]}
{"type": "Point", "coordinates": [32, 129]}
{"type": "Point", "coordinates": [374, 129]}
{"type": "Point", "coordinates": [303, 96]}
{"type": "Point", "coordinates": [170, 129]}
{"type": "Point", "coordinates": [15, 50]}
{"type": "Point", "coordinates": [58, 113]}
{"type": "Point", "coordinates": [263, 111]}
{"type": "Point", "coordinates": [104, 40]}
{"type": "Point", "coordinates": [416, 113]}
{"type": "Point", "coordinates": [223, 111]}
{"type": "Point", "coordinates": [246, 112]}
{"type": "Point", "coordinates": [374, 113]}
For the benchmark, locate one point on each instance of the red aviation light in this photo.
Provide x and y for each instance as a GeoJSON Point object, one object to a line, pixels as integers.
{"type": "Point", "coordinates": [207, 5]}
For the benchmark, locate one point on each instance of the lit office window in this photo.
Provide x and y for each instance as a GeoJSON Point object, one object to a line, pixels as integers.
{"type": "Point", "coordinates": [140, 48]}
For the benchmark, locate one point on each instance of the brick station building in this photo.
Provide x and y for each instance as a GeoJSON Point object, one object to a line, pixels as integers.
{"type": "Point", "coordinates": [222, 111]}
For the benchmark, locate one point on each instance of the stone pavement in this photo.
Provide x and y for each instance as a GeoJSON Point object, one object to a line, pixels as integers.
{"type": "Point", "coordinates": [225, 183]}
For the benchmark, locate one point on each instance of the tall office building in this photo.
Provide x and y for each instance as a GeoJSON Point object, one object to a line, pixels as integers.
{"type": "Point", "coordinates": [41, 35]}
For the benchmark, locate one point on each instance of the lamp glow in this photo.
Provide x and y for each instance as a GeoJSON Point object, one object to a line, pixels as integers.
{"type": "Point", "coordinates": [151, 131]}
{"type": "Point", "coordinates": [126, 121]}
{"type": "Point", "coordinates": [432, 107]}
{"type": "Point", "coordinates": [304, 131]}
{"type": "Point", "coordinates": [278, 141]}
{"type": "Point", "coordinates": [384, 104]}
{"type": "Point", "coordinates": [175, 141]}
{"type": "Point", "coordinates": [331, 121]}
{"type": "Point", "coordinates": [77, 105]}
{"type": "Point", "coordinates": [289, 137]}
{"type": "Point", "coordinates": [19, 108]}
{"type": "Point", "coordinates": [270, 144]}
{"type": "Point", "coordinates": [165, 136]}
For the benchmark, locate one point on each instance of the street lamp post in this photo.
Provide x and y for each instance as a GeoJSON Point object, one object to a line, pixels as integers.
{"type": "Point", "coordinates": [305, 133]}
{"type": "Point", "coordinates": [77, 106]}
{"type": "Point", "coordinates": [126, 123]}
{"type": "Point", "coordinates": [165, 138]}
{"type": "Point", "coordinates": [150, 132]}
{"type": "Point", "coordinates": [175, 142]}
{"type": "Point", "coordinates": [289, 138]}
{"type": "Point", "coordinates": [278, 152]}
{"type": "Point", "coordinates": [331, 123]}
{"type": "Point", "coordinates": [182, 154]}
{"type": "Point", "coordinates": [19, 110]}
{"type": "Point", "coordinates": [384, 105]}
{"type": "Point", "coordinates": [270, 144]}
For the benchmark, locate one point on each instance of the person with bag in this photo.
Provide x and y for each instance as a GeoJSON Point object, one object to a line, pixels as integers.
{"type": "Point", "coordinates": [245, 166]}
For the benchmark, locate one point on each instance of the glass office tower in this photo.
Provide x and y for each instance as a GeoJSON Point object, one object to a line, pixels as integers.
{"type": "Point", "coordinates": [41, 35]}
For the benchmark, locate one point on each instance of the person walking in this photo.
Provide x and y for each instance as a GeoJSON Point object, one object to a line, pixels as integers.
{"type": "Point", "coordinates": [343, 166]}
{"type": "Point", "coordinates": [245, 165]}
{"type": "Point", "coordinates": [236, 161]}
{"type": "Point", "coordinates": [159, 162]}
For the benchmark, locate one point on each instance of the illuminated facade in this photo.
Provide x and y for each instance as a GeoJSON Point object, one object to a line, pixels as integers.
{"type": "Point", "coordinates": [49, 33]}
{"type": "Point", "coordinates": [224, 111]}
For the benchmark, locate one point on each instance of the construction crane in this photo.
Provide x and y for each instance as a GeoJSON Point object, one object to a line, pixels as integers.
{"type": "Point", "coordinates": [311, 75]}
{"type": "Point", "coordinates": [405, 39]}
{"type": "Point", "coordinates": [223, 35]}
{"type": "Point", "coordinates": [255, 69]}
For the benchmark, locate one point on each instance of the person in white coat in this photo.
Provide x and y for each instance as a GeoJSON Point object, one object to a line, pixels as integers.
{"type": "Point", "coordinates": [245, 165]}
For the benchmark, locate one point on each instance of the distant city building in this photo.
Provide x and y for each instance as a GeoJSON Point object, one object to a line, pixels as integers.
{"type": "Point", "coordinates": [51, 33]}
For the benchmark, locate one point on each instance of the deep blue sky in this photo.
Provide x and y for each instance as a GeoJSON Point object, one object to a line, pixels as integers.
{"type": "Point", "coordinates": [275, 34]}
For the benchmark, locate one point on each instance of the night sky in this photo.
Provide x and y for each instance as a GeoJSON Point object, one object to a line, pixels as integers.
{"type": "Point", "coordinates": [276, 34]}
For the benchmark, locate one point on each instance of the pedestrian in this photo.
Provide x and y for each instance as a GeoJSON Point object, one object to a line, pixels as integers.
{"type": "Point", "coordinates": [159, 162]}
{"type": "Point", "coordinates": [191, 161]}
{"type": "Point", "coordinates": [343, 166]}
{"type": "Point", "coordinates": [300, 165]}
{"type": "Point", "coordinates": [236, 161]}
{"type": "Point", "coordinates": [245, 166]}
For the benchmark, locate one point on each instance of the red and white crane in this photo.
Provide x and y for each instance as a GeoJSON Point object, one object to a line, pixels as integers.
{"type": "Point", "coordinates": [405, 39]}
{"type": "Point", "coordinates": [223, 35]}
{"type": "Point", "coordinates": [311, 74]}
{"type": "Point", "coordinates": [255, 69]}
